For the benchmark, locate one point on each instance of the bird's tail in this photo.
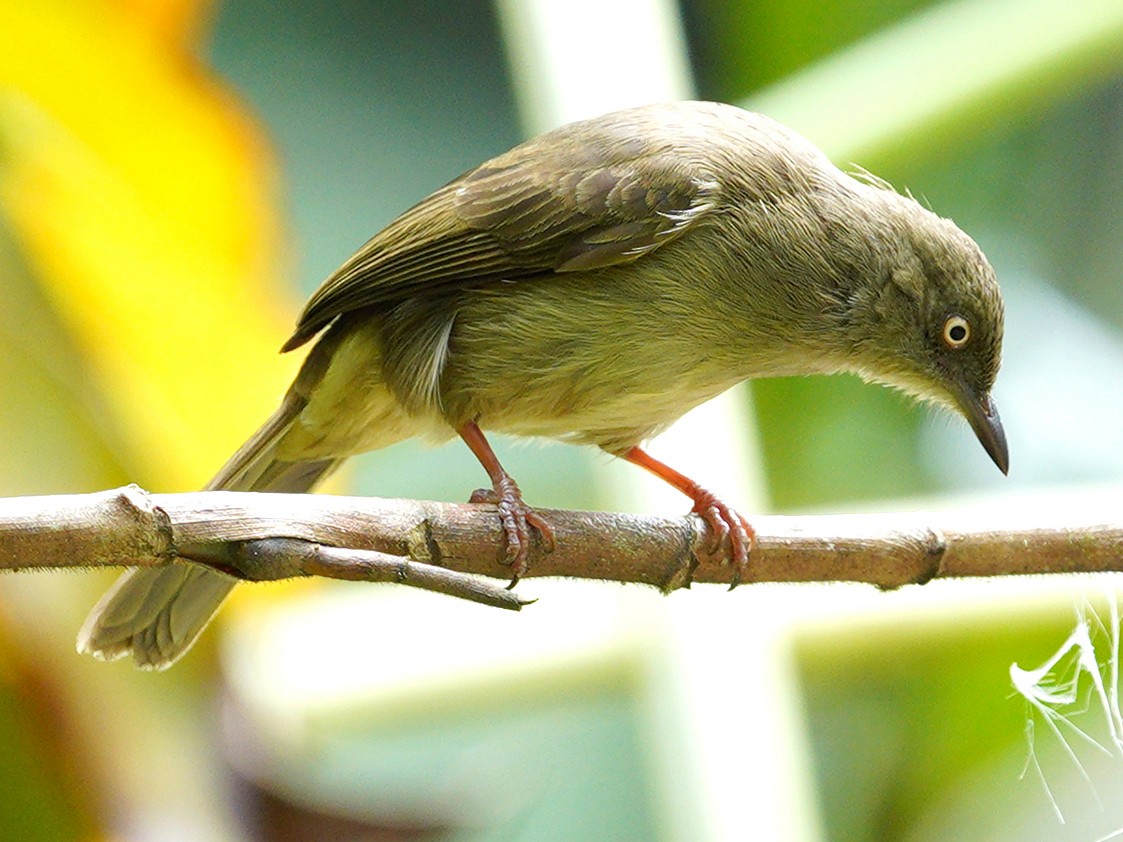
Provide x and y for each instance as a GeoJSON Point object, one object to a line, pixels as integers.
{"type": "Point", "coordinates": [156, 613]}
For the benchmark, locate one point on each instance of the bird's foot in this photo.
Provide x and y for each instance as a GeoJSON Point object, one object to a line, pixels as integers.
{"type": "Point", "coordinates": [517, 519]}
{"type": "Point", "coordinates": [726, 527]}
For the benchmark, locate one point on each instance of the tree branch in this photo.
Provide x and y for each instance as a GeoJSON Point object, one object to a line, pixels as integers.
{"type": "Point", "coordinates": [440, 546]}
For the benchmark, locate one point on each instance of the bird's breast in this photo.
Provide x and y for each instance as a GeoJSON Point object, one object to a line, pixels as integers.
{"type": "Point", "coordinates": [574, 359]}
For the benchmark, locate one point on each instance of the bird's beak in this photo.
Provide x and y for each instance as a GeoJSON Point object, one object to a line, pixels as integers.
{"type": "Point", "coordinates": [982, 415]}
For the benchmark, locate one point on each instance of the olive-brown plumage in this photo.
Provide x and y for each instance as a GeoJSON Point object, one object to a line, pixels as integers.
{"type": "Point", "coordinates": [592, 285]}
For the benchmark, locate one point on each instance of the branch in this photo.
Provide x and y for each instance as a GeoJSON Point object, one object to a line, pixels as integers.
{"type": "Point", "coordinates": [440, 546]}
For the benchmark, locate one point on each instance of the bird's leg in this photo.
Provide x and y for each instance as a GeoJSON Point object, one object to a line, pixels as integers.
{"type": "Point", "coordinates": [723, 522]}
{"type": "Point", "coordinates": [515, 515]}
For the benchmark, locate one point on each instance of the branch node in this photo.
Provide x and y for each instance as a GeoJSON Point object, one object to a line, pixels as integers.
{"type": "Point", "coordinates": [153, 520]}
{"type": "Point", "coordinates": [680, 574]}
{"type": "Point", "coordinates": [937, 547]}
{"type": "Point", "coordinates": [421, 545]}
{"type": "Point", "coordinates": [401, 569]}
{"type": "Point", "coordinates": [164, 529]}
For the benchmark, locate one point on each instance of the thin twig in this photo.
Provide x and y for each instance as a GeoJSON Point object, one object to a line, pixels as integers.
{"type": "Point", "coordinates": [269, 559]}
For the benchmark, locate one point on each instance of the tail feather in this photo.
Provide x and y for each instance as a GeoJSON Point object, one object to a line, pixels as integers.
{"type": "Point", "coordinates": [156, 613]}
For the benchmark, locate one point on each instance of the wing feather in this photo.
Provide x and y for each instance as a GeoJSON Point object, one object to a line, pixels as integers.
{"type": "Point", "coordinates": [586, 196]}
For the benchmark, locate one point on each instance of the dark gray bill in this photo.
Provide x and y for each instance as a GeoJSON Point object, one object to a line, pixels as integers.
{"type": "Point", "coordinates": [982, 415]}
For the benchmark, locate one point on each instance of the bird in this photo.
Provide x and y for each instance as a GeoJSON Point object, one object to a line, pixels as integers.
{"type": "Point", "coordinates": [591, 285]}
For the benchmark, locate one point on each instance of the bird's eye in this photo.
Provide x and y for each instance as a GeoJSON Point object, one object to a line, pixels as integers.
{"type": "Point", "coordinates": [957, 331]}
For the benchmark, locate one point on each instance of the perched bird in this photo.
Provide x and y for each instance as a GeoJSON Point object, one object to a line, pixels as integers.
{"type": "Point", "coordinates": [592, 285]}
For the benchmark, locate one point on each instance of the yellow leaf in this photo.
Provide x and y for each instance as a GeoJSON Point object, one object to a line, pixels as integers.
{"type": "Point", "coordinates": [142, 196]}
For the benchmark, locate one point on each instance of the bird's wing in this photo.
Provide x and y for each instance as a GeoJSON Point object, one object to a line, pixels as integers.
{"type": "Point", "coordinates": [596, 198]}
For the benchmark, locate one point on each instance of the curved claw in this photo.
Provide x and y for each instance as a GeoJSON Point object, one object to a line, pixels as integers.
{"type": "Point", "coordinates": [517, 519]}
{"type": "Point", "coordinates": [726, 525]}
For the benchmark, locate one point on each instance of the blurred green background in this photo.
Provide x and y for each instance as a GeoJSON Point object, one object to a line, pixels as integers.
{"type": "Point", "coordinates": [175, 176]}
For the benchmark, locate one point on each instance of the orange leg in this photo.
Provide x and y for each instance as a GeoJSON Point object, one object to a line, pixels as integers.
{"type": "Point", "coordinates": [724, 523]}
{"type": "Point", "coordinates": [515, 515]}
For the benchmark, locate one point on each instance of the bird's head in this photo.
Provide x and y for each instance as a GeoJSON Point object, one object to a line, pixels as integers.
{"type": "Point", "coordinates": [933, 325]}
